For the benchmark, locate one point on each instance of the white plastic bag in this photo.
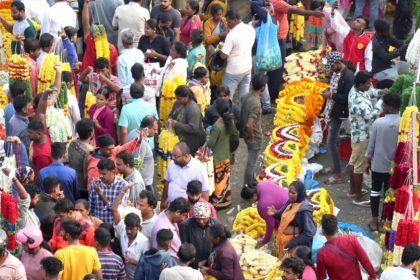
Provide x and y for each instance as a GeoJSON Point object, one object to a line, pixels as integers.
{"type": "Point", "coordinates": [372, 249]}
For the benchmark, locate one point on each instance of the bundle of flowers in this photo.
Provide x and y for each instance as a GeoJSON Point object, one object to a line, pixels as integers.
{"type": "Point", "coordinates": [62, 100]}
{"type": "Point", "coordinates": [19, 70]}
{"type": "Point", "coordinates": [282, 150]}
{"type": "Point", "coordinates": [167, 141]}
{"type": "Point", "coordinates": [58, 125]}
{"type": "Point", "coordinates": [243, 243]}
{"type": "Point", "coordinates": [249, 222]}
{"type": "Point", "coordinates": [303, 65]}
{"type": "Point", "coordinates": [297, 24]}
{"type": "Point", "coordinates": [101, 41]}
{"type": "Point", "coordinates": [167, 99]}
{"type": "Point", "coordinates": [321, 202]}
{"type": "Point", "coordinates": [257, 264]}
{"type": "Point", "coordinates": [89, 101]}
{"type": "Point", "coordinates": [46, 75]}
{"type": "Point", "coordinates": [10, 214]}
{"type": "Point", "coordinates": [404, 226]}
{"type": "Point", "coordinates": [5, 12]}
{"type": "Point", "coordinates": [300, 103]}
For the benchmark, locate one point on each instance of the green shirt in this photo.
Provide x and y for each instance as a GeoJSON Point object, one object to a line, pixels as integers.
{"type": "Point", "coordinates": [251, 109]}
{"type": "Point", "coordinates": [24, 27]}
{"type": "Point", "coordinates": [219, 142]}
{"type": "Point", "coordinates": [192, 57]}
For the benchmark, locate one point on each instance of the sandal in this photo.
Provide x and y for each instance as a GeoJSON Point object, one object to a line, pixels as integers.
{"type": "Point", "coordinates": [372, 228]}
{"type": "Point", "coordinates": [333, 180]}
{"type": "Point", "coordinates": [363, 203]}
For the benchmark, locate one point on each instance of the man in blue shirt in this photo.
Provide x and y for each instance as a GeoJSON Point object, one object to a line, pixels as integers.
{"type": "Point", "coordinates": [18, 124]}
{"type": "Point", "coordinates": [133, 113]}
{"type": "Point", "coordinates": [65, 175]}
{"type": "Point", "coordinates": [17, 88]}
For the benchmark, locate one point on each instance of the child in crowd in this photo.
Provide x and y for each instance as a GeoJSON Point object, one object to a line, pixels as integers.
{"type": "Point", "coordinates": [102, 116]}
{"type": "Point", "coordinates": [51, 268]}
{"type": "Point", "coordinates": [151, 263]}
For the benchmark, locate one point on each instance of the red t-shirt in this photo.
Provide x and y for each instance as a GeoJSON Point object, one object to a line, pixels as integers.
{"type": "Point", "coordinates": [281, 8]}
{"type": "Point", "coordinates": [41, 153]}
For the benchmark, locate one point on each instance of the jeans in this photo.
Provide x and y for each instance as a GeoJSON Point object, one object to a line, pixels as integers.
{"type": "Point", "coordinates": [332, 143]}
{"type": "Point", "coordinates": [240, 82]}
{"type": "Point", "coordinates": [254, 147]}
{"type": "Point", "coordinates": [373, 10]}
{"type": "Point", "coordinates": [378, 180]}
{"type": "Point", "coordinates": [275, 77]}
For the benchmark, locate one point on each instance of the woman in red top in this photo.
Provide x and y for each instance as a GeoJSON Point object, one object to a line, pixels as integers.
{"type": "Point", "coordinates": [102, 116]}
{"type": "Point", "coordinates": [190, 21]}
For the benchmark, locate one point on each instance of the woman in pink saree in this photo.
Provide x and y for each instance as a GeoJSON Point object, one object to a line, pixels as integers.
{"type": "Point", "coordinates": [190, 21]}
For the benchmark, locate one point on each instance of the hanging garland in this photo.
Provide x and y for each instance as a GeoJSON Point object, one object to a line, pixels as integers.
{"type": "Point", "coordinates": [19, 71]}
{"type": "Point", "coordinates": [46, 75]}
{"type": "Point", "coordinates": [5, 12]}
{"type": "Point", "coordinates": [167, 141]}
{"type": "Point", "coordinates": [101, 41]}
{"type": "Point", "coordinates": [168, 97]}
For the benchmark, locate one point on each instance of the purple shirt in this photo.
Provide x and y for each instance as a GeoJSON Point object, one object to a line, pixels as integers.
{"type": "Point", "coordinates": [162, 222]}
{"type": "Point", "coordinates": [270, 194]}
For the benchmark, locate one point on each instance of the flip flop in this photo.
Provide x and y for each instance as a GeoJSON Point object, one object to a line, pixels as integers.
{"type": "Point", "coordinates": [371, 228]}
{"type": "Point", "coordinates": [364, 203]}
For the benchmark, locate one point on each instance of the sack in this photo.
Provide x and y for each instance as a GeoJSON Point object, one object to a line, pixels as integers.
{"type": "Point", "coordinates": [372, 248]}
{"type": "Point", "coordinates": [268, 56]}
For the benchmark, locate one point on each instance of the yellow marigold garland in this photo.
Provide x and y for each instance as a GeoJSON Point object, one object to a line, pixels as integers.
{"type": "Point", "coordinates": [89, 101]}
{"type": "Point", "coordinates": [167, 99]}
{"type": "Point", "coordinates": [249, 222]}
{"type": "Point", "coordinates": [101, 41]}
{"type": "Point", "coordinates": [46, 75]}
{"type": "Point", "coordinates": [167, 141]}
{"type": "Point", "coordinates": [5, 11]}
{"type": "Point", "coordinates": [322, 203]}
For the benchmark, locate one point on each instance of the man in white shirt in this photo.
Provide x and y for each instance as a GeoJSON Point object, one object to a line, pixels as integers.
{"type": "Point", "coordinates": [181, 170]}
{"type": "Point", "coordinates": [129, 55]}
{"type": "Point", "coordinates": [35, 9]}
{"type": "Point", "coordinates": [133, 243]}
{"type": "Point", "coordinates": [147, 204]}
{"type": "Point", "coordinates": [132, 16]}
{"type": "Point", "coordinates": [409, 260]}
{"type": "Point", "coordinates": [57, 17]}
{"type": "Point", "coordinates": [238, 52]}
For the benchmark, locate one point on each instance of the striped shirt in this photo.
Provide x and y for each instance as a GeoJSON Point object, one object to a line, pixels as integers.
{"type": "Point", "coordinates": [112, 266]}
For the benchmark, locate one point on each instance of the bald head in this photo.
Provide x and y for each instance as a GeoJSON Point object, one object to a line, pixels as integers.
{"type": "Point", "coordinates": [181, 154]}
{"type": "Point", "coordinates": [183, 148]}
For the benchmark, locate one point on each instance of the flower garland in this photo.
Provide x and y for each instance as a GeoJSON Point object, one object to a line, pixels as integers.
{"type": "Point", "coordinates": [243, 243]}
{"type": "Point", "coordinates": [89, 102]}
{"type": "Point", "coordinates": [58, 125]}
{"type": "Point", "coordinates": [5, 12]}
{"type": "Point", "coordinates": [9, 213]}
{"type": "Point", "coordinates": [321, 202]}
{"type": "Point", "coordinates": [101, 41]}
{"type": "Point", "coordinates": [46, 75]}
{"type": "Point", "coordinates": [294, 133]}
{"type": "Point", "coordinates": [62, 100]}
{"type": "Point", "coordinates": [4, 79]}
{"type": "Point", "coordinates": [167, 141]}
{"type": "Point", "coordinates": [19, 70]}
{"type": "Point", "coordinates": [257, 264]}
{"type": "Point", "coordinates": [303, 65]}
{"type": "Point", "coordinates": [167, 99]}
{"type": "Point", "coordinates": [297, 24]}
{"type": "Point", "coordinates": [249, 222]}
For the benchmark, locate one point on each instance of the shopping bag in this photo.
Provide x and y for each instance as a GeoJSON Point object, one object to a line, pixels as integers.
{"type": "Point", "coordinates": [268, 56]}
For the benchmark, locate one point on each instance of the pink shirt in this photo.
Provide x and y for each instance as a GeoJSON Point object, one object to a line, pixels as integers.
{"type": "Point", "coordinates": [162, 222]}
{"type": "Point", "coordinates": [309, 273]}
{"type": "Point", "coordinates": [12, 269]}
{"type": "Point", "coordinates": [32, 263]}
{"type": "Point", "coordinates": [33, 76]}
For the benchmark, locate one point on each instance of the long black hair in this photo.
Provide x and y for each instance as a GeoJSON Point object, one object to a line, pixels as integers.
{"type": "Point", "coordinates": [305, 254]}
{"type": "Point", "coordinates": [223, 109]}
{"type": "Point", "coordinates": [300, 189]}
{"type": "Point", "coordinates": [184, 91]}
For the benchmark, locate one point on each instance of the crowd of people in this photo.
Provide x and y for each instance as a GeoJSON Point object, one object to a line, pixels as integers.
{"type": "Point", "coordinates": [73, 195]}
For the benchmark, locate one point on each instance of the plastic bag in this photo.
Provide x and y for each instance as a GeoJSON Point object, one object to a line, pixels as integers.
{"type": "Point", "coordinates": [372, 249]}
{"type": "Point", "coordinates": [268, 56]}
{"type": "Point", "coordinates": [317, 243]}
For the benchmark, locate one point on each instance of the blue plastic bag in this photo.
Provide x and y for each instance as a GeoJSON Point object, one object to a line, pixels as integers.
{"type": "Point", "coordinates": [268, 56]}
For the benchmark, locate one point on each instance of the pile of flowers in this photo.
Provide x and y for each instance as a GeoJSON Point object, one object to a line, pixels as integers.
{"type": "Point", "coordinates": [4, 79]}
{"type": "Point", "coordinates": [167, 99]}
{"type": "Point", "coordinates": [5, 12]}
{"type": "Point", "coordinates": [243, 243]}
{"type": "Point", "coordinates": [167, 141]}
{"type": "Point", "coordinates": [303, 65]}
{"type": "Point", "coordinates": [19, 70]}
{"type": "Point", "coordinates": [257, 264]}
{"type": "Point", "coordinates": [46, 75]}
{"type": "Point", "coordinates": [101, 41]}
{"type": "Point", "coordinates": [321, 202]}
{"type": "Point", "coordinates": [249, 222]}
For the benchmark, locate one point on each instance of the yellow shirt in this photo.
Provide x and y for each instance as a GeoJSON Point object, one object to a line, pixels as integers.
{"type": "Point", "coordinates": [78, 261]}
